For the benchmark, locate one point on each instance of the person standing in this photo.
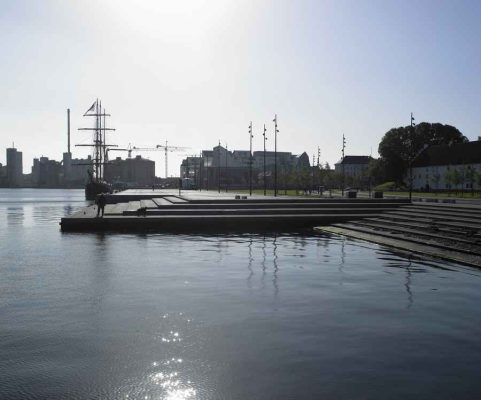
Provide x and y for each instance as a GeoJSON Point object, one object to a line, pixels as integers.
{"type": "Point", "coordinates": [101, 201]}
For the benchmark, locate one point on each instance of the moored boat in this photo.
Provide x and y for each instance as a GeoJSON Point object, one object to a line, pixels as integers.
{"type": "Point", "coordinates": [96, 183]}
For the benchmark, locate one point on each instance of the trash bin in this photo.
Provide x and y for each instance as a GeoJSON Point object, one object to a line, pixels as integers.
{"type": "Point", "coordinates": [352, 194]}
{"type": "Point", "coordinates": [378, 195]}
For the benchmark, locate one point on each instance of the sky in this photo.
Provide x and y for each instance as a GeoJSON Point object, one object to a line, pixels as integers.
{"type": "Point", "coordinates": [196, 72]}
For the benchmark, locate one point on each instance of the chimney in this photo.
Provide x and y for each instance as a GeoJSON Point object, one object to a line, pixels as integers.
{"type": "Point", "coordinates": [68, 129]}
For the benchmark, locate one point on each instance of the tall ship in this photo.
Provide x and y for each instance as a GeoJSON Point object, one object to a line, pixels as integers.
{"type": "Point", "coordinates": [96, 183]}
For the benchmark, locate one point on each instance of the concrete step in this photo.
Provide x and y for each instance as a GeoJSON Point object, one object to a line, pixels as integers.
{"type": "Point", "coordinates": [444, 208]}
{"type": "Point", "coordinates": [160, 201]}
{"type": "Point", "coordinates": [301, 200]}
{"type": "Point", "coordinates": [252, 211]}
{"type": "Point", "coordinates": [387, 226]}
{"type": "Point", "coordinates": [148, 204]}
{"type": "Point", "coordinates": [175, 199]}
{"type": "Point", "coordinates": [429, 227]}
{"type": "Point", "coordinates": [446, 245]}
{"type": "Point", "coordinates": [419, 247]}
{"type": "Point", "coordinates": [132, 206]}
{"type": "Point", "coordinates": [440, 223]}
{"type": "Point", "coordinates": [443, 212]}
{"type": "Point", "coordinates": [435, 217]}
{"type": "Point", "coordinates": [270, 205]}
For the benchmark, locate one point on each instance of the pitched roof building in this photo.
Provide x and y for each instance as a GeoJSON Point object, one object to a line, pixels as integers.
{"type": "Point", "coordinates": [445, 167]}
{"type": "Point", "coordinates": [353, 166]}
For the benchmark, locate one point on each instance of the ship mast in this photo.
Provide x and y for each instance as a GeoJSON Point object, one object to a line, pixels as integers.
{"type": "Point", "coordinates": [99, 134]}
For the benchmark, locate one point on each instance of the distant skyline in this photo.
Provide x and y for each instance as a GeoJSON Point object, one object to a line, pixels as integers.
{"type": "Point", "coordinates": [196, 72]}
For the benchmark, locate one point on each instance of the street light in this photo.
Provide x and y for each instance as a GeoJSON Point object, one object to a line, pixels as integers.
{"type": "Point", "coordinates": [265, 138]}
{"type": "Point", "coordinates": [411, 149]}
{"type": "Point", "coordinates": [275, 154]}
{"type": "Point", "coordinates": [250, 158]}
{"type": "Point", "coordinates": [218, 167]}
{"type": "Point", "coordinates": [342, 162]}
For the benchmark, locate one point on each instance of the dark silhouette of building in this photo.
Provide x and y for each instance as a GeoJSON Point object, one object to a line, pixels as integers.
{"type": "Point", "coordinates": [136, 171]}
{"type": "Point", "coordinates": [75, 170]}
{"type": "Point", "coordinates": [46, 173]}
{"type": "Point", "coordinates": [14, 167]}
{"type": "Point", "coordinates": [3, 175]}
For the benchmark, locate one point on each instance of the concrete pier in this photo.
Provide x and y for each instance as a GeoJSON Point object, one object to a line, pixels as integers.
{"type": "Point", "coordinates": [192, 211]}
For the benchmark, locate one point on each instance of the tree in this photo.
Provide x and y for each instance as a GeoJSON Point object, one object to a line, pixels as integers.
{"type": "Point", "coordinates": [376, 171]}
{"type": "Point", "coordinates": [400, 145]}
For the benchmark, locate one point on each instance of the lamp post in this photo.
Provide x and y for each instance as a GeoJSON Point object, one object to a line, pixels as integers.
{"type": "Point", "coordinates": [342, 162]}
{"type": "Point", "coordinates": [226, 174]}
{"type": "Point", "coordinates": [275, 154]}
{"type": "Point", "coordinates": [250, 158]}
{"type": "Point", "coordinates": [201, 162]}
{"type": "Point", "coordinates": [265, 138]}
{"type": "Point", "coordinates": [318, 169]}
{"type": "Point", "coordinates": [411, 158]}
{"type": "Point", "coordinates": [218, 167]}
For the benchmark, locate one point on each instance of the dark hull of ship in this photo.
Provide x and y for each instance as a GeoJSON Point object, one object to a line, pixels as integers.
{"type": "Point", "coordinates": [92, 189]}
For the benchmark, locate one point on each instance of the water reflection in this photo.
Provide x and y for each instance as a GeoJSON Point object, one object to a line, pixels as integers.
{"type": "Point", "coordinates": [407, 285]}
{"type": "Point", "coordinates": [276, 267]}
{"type": "Point", "coordinates": [263, 263]}
{"type": "Point", "coordinates": [343, 261]}
{"type": "Point", "coordinates": [110, 315]}
{"type": "Point", "coordinates": [249, 264]}
{"type": "Point", "coordinates": [15, 215]}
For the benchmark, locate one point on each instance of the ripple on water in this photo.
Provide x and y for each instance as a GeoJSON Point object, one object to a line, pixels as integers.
{"type": "Point", "coordinates": [157, 316]}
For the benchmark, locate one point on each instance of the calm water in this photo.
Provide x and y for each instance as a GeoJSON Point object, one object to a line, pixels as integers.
{"type": "Point", "coordinates": [117, 316]}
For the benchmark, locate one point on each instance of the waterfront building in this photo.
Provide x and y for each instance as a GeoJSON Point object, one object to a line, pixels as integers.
{"type": "Point", "coordinates": [226, 168]}
{"type": "Point", "coordinates": [14, 167]}
{"type": "Point", "coordinates": [3, 175]}
{"type": "Point", "coordinates": [136, 171]}
{"type": "Point", "coordinates": [46, 173]}
{"type": "Point", "coordinates": [75, 170]}
{"type": "Point", "coordinates": [190, 168]}
{"type": "Point", "coordinates": [448, 167]}
{"type": "Point", "coordinates": [353, 166]}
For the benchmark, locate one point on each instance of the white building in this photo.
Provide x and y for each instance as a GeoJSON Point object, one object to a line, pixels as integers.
{"type": "Point", "coordinates": [446, 167]}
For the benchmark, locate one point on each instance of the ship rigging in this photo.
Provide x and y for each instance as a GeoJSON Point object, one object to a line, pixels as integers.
{"type": "Point", "coordinates": [96, 183]}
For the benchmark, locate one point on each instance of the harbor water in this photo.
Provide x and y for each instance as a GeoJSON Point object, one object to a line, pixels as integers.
{"type": "Point", "coordinates": [161, 316]}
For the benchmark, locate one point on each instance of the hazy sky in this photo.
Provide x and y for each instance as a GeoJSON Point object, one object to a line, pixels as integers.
{"type": "Point", "coordinates": [194, 72]}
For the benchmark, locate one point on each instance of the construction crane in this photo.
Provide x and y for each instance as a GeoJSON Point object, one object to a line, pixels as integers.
{"type": "Point", "coordinates": [131, 148]}
{"type": "Point", "coordinates": [166, 149]}
{"type": "Point", "coordinates": [128, 150]}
